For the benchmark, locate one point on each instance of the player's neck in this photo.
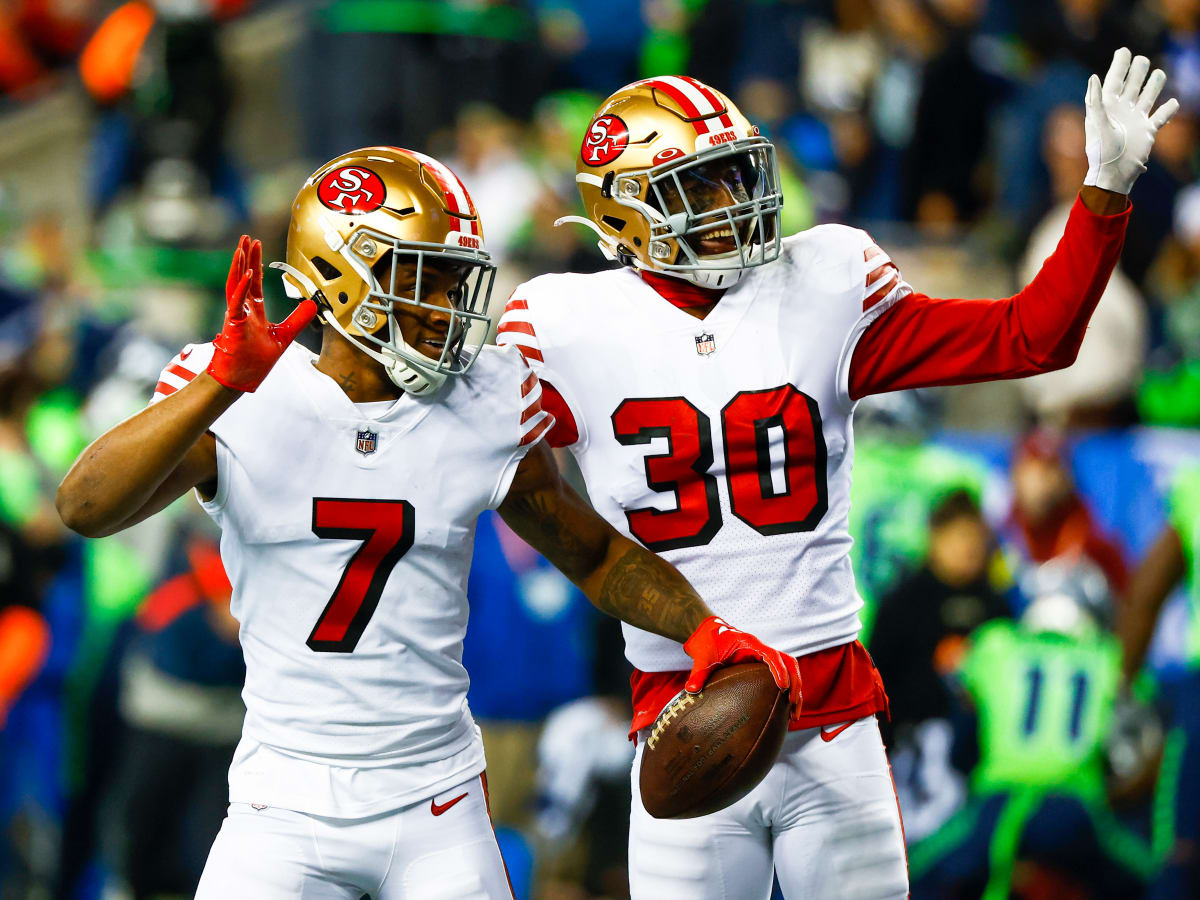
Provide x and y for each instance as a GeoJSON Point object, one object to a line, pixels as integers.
{"type": "Point", "coordinates": [691, 298]}
{"type": "Point", "coordinates": [362, 378]}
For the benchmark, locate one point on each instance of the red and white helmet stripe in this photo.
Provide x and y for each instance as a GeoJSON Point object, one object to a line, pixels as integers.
{"type": "Point", "coordinates": [458, 201]}
{"type": "Point", "coordinates": [697, 100]}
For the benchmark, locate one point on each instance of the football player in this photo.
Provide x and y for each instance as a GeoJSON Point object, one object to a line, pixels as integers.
{"type": "Point", "coordinates": [707, 388]}
{"type": "Point", "coordinates": [347, 485]}
{"type": "Point", "coordinates": [1044, 692]}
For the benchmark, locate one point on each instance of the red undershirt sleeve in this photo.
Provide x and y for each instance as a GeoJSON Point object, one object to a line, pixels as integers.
{"type": "Point", "coordinates": [564, 432]}
{"type": "Point", "coordinates": [927, 341]}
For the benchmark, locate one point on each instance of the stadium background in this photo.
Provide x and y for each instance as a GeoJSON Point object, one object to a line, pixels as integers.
{"type": "Point", "coordinates": [138, 140]}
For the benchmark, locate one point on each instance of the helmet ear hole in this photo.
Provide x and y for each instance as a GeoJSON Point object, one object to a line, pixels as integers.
{"type": "Point", "coordinates": [328, 271]}
{"type": "Point", "coordinates": [613, 222]}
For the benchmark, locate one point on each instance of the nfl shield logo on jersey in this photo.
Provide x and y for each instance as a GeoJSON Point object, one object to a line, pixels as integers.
{"type": "Point", "coordinates": [705, 344]}
{"type": "Point", "coordinates": [365, 443]}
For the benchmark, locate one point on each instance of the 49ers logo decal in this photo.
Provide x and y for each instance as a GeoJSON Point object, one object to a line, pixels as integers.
{"type": "Point", "coordinates": [352, 190]}
{"type": "Point", "coordinates": [605, 140]}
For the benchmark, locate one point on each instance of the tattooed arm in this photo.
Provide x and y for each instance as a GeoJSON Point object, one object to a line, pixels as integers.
{"type": "Point", "coordinates": [620, 577]}
{"type": "Point", "coordinates": [626, 580]}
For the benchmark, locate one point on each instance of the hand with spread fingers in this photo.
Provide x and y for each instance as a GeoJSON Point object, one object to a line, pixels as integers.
{"type": "Point", "coordinates": [248, 345]}
{"type": "Point", "coordinates": [1119, 123]}
{"type": "Point", "coordinates": [716, 643]}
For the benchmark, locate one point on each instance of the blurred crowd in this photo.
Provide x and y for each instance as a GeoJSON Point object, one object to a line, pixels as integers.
{"type": "Point", "coordinates": [998, 538]}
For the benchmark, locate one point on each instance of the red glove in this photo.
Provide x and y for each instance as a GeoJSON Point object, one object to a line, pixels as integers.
{"type": "Point", "coordinates": [248, 344]}
{"type": "Point", "coordinates": [715, 643]}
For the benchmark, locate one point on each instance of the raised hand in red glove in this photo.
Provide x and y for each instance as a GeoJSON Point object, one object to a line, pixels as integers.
{"type": "Point", "coordinates": [716, 643]}
{"type": "Point", "coordinates": [248, 345]}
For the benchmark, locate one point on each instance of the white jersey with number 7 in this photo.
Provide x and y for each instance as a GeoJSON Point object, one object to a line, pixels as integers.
{"type": "Point", "coordinates": [347, 533]}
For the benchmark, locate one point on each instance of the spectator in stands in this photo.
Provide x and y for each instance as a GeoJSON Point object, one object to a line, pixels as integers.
{"type": "Point", "coordinates": [921, 625]}
{"type": "Point", "coordinates": [488, 152]}
{"type": "Point", "coordinates": [1049, 517]}
{"type": "Point", "coordinates": [160, 81]}
{"type": "Point", "coordinates": [916, 643]}
{"type": "Point", "coordinates": [900, 475]}
{"type": "Point", "coordinates": [942, 165]}
{"type": "Point", "coordinates": [181, 676]}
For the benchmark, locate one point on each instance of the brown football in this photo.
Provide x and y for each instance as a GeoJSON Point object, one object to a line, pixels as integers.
{"type": "Point", "coordinates": [708, 750]}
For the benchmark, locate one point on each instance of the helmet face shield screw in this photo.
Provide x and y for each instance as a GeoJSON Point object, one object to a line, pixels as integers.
{"type": "Point", "coordinates": [659, 250]}
{"type": "Point", "coordinates": [365, 318]}
{"type": "Point", "coordinates": [630, 188]}
{"type": "Point", "coordinates": [367, 248]}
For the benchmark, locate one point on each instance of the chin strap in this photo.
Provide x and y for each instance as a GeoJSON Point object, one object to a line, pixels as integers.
{"type": "Point", "coordinates": [408, 378]}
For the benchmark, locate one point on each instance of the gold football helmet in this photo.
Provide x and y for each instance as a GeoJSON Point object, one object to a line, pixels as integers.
{"type": "Point", "coordinates": [675, 180]}
{"type": "Point", "coordinates": [355, 221]}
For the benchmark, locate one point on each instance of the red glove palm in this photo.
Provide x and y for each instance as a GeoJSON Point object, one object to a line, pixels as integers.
{"type": "Point", "coordinates": [248, 345]}
{"type": "Point", "coordinates": [715, 643]}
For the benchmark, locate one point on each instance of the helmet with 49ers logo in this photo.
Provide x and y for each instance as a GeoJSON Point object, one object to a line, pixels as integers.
{"type": "Point", "coordinates": [675, 180]}
{"type": "Point", "coordinates": [360, 219]}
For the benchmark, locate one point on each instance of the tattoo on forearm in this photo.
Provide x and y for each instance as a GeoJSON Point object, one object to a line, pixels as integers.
{"type": "Point", "coordinates": [644, 591]}
{"type": "Point", "coordinates": [540, 519]}
{"type": "Point", "coordinates": [639, 588]}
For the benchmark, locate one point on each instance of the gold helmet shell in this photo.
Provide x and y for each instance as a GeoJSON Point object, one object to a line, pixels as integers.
{"type": "Point", "coordinates": [360, 216]}
{"type": "Point", "coordinates": [639, 142]}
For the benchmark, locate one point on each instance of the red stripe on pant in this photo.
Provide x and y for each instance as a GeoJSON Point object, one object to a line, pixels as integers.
{"type": "Point", "coordinates": [900, 816]}
{"type": "Point", "coordinates": [488, 803]}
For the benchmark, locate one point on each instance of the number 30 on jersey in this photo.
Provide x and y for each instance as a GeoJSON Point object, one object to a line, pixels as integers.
{"type": "Point", "coordinates": [746, 424]}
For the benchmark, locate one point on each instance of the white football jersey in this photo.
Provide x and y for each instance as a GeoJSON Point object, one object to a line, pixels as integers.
{"type": "Point", "coordinates": [347, 533]}
{"type": "Point", "coordinates": [724, 444]}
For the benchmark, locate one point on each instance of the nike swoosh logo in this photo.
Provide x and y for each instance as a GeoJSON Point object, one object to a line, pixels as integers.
{"type": "Point", "coordinates": [185, 354]}
{"type": "Point", "coordinates": [828, 736]}
{"type": "Point", "coordinates": [438, 810]}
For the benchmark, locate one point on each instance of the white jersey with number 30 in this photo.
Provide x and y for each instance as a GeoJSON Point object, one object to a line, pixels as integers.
{"type": "Point", "coordinates": [724, 444]}
{"type": "Point", "coordinates": [347, 537]}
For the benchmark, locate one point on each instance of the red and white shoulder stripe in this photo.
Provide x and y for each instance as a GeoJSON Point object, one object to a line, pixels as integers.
{"type": "Point", "coordinates": [697, 100]}
{"type": "Point", "coordinates": [882, 279]}
{"type": "Point", "coordinates": [516, 327]}
{"type": "Point", "coordinates": [183, 367]}
{"type": "Point", "coordinates": [535, 421]}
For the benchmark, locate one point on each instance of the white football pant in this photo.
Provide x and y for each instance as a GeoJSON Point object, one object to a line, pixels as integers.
{"type": "Point", "coordinates": [409, 854]}
{"type": "Point", "coordinates": [825, 819]}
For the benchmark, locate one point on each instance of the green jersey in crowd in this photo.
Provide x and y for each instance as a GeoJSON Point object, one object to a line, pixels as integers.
{"type": "Point", "coordinates": [1045, 705]}
{"type": "Point", "coordinates": [895, 487]}
{"type": "Point", "coordinates": [1183, 512]}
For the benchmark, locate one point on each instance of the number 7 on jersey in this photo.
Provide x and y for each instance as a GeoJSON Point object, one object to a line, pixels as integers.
{"type": "Point", "coordinates": [385, 528]}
